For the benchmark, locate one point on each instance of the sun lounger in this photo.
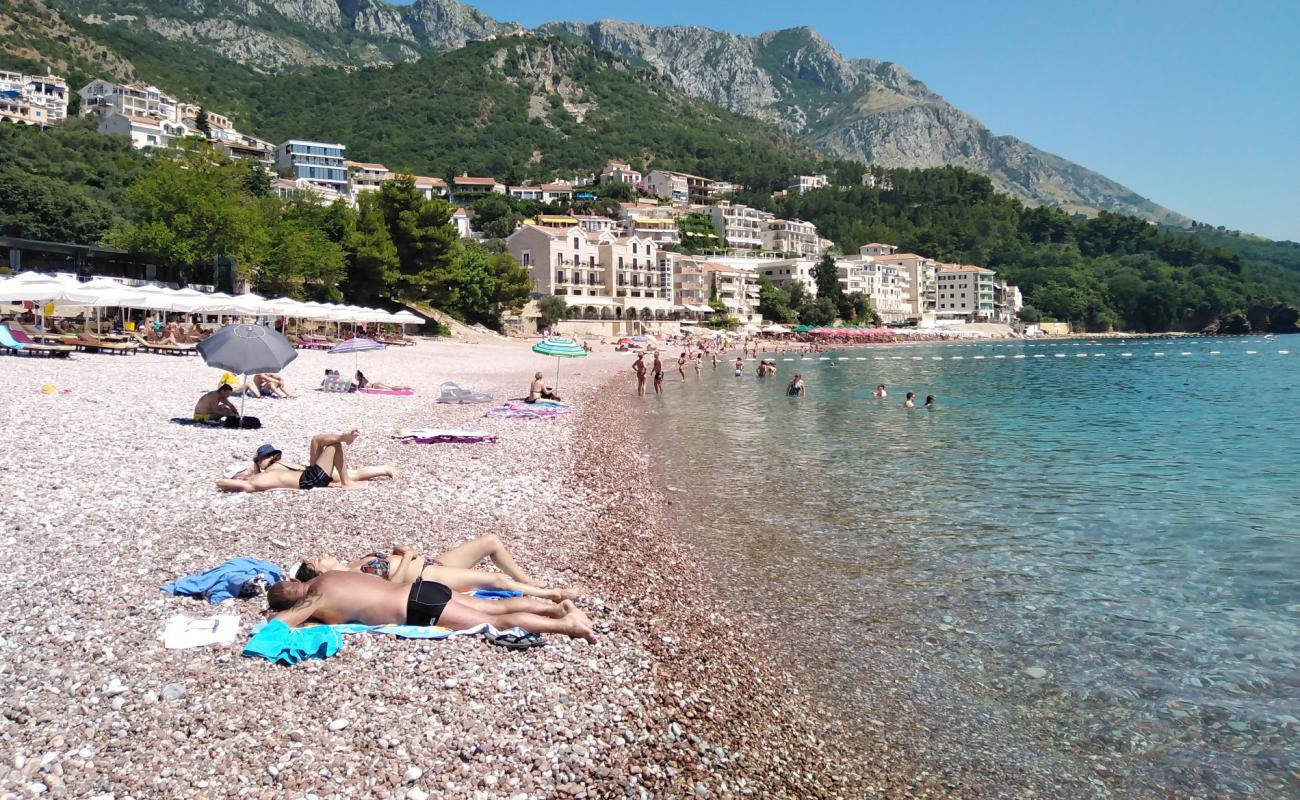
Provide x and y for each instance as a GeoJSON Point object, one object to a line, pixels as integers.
{"type": "Point", "coordinates": [95, 344]}
{"type": "Point", "coordinates": [451, 392]}
{"type": "Point", "coordinates": [17, 341]}
{"type": "Point", "coordinates": [170, 349]}
{"type": "Point", "coordinates": [395, 342]}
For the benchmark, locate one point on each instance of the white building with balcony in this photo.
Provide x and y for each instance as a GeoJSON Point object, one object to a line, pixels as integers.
{"type": "Point", "coordinates": [33, 99]}
{"type": "Point", "coordinates": [619, 172]}
{"type": "Point", "coordinates": [740, 226]}
{"type": "Point", "coordinates": [792, 236]}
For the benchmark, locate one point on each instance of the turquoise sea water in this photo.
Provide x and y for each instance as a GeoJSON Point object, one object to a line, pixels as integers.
{"type": "Point", "coordinates": [1129, 524]}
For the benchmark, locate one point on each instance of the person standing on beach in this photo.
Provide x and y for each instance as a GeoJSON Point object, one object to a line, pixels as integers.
{"type": "Point", "coordinates": [740, 366]}
{"type": "Point", "coordinates": [638, 367]}
{"type": "Point", "coordinates": [699, 364]}
{"type": "Point", "coordinates": [910, 402]}
{"type": "Point", "coordinates": [658, 369]}
{"type": "Point", "coordinates": [681, 366]}
{"type": "Point", "coordinates": [715, 359]}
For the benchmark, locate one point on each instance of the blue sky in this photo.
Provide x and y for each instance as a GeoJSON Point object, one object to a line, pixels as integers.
{"type": "Point", "coordinates": [1192, 103]}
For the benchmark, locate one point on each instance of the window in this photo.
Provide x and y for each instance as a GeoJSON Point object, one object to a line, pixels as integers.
{"type": "Point", "coordinates": [620, 262]}
{"type": "Point", "coordinates": [526, 259]}
{"type": "Point", "coordinates": [634, 247]}
{"type": "Point", "coordinates": [634, 264]}
{"type": "Point", "coordinates": [591, 261]}
{"type": "Point", "coordinates": [559, 259]}
{"type": "Point", "coordinates": [575, 243]}
{"type": "Point", "coordinates": [559, 276]}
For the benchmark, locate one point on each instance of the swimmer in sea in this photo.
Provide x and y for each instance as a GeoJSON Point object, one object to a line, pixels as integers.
{"type": "Point", "coordinates": [740, 366]}
{"type": "Point", "coordinates": [880, 391]}
{"type": "Point", "coordinates": [795, 389]}
{"type": "Point", "coordinates": [929, 402]}
{"type": "Point", "coordinates": [910, 402]}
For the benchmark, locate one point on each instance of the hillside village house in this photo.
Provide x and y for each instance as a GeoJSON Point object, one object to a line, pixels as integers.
{"type": "Point", "coordinates": [318, 163]}
{"type": "Point", "coordinates": [145, 131]}
{"type": "Point", "coordinates": [464, 185]}
{"type": "Point", "coordinates": [919, 275]}
{"type": "Point", "coordinates": [546, 193]}
{"type": "Point", "coordinates": [594, 223]}
{"type": "Point", "coordinates": [618, 172]}
{"type": "Point", "coordinates": [33, 99]}
{"type": "Point", "coordinates": [460, 218]}
{"type": "Point", "coordinates": [737, 289]}
{"type": "Point", "coordinates": [430, 187]}
{"type": "Point", "coordinates": [680, 187]}
{"type": "Point", "coordinates": [806, 183]}
{"type": "Point", "coordinates": [365, 177]}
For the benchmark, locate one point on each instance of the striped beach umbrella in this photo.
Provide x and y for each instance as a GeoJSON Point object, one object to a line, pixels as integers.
{"type": "Point", "coordinates": [560, 347]}
{"type": "Point", "coordinates": [355, 345]}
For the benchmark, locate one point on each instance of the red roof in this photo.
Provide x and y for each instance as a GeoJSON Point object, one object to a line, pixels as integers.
{"type": "Point", "coordinates": [474, 181]}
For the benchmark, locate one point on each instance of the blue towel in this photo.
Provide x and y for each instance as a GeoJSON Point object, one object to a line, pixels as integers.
{"type": "Point", "coordinates": [226, 581]}
{"type": "Point", "coordinates": [280, 644]}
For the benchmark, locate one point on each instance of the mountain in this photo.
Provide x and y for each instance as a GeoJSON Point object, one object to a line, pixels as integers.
{"type": "Point", "coordinates": [862, 109]}
{"type": "Point", "coordinates": [521, 107]}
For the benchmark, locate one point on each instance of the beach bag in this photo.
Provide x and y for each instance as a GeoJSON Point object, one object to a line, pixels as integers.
{"type": "Point", "coordinates": [248, 423]}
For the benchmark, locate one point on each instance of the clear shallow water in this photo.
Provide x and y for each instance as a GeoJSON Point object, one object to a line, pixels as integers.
{"type": "Point", "coordinates": [1130, 524]}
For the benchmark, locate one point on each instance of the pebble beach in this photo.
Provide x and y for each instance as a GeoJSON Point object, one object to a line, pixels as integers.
{"type": "Point", "coordinates": [105, 500]}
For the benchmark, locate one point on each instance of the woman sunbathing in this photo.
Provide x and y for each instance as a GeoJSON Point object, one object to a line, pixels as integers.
{"type": "Point", "coordinates": [363, 383]}
{"type": "Point", "coordinates": [455, 568]}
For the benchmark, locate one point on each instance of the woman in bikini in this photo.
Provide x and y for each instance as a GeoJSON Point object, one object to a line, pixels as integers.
{"type": "Point", "coordinates": [363, 383]}
{"type": "Point", "coordinates": [455, 568]}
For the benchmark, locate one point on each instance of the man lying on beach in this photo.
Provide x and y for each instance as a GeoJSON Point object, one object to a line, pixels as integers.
{"type": "Point", "coordinates": [215, 405]}
{"type": "Point", "coordinates": [338, 597]}
{"type": "Point", "coordinates": [454, 568]}
{"type": "Point", "coordinates": [328, 464]}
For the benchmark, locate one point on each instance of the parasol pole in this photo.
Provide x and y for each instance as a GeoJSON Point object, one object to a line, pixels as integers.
{"type": "Point", "coordinates": [557, 375]}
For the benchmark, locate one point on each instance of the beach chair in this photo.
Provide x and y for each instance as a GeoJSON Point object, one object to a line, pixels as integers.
{"type": "Point", "coordinates": [452, 392]}
{"type": "Point", "coordinates": [336, 383]}
{"type": "Point", "coordinates": [305, 344]}
{"type": "Point", "coordinates": [169, 349]}
{"type": "Point", "coordinates": [94, 343]}
{"type": "Point", "coordinates": [17, 341]}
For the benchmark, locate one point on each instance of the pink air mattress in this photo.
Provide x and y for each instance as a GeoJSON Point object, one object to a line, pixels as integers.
{"type": "Point", "coordinates": [402, 392]}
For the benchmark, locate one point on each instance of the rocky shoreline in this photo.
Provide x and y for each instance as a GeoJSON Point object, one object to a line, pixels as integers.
{"type": "Point", "coordinates": [106, 501]}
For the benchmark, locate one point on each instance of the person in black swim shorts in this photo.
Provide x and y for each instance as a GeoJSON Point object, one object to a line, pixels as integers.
{"type": "Point", "coordinates": [339, 596]}
{"type": "Point", "coordinates": [327, 464]}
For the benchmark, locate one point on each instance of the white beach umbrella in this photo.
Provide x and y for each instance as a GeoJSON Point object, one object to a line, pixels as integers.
{"type": "Point", "coordinates": [36, 288]}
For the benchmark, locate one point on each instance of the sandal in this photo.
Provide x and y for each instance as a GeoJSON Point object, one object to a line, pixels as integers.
{"type": "Point", "coordinates": [516, 641]}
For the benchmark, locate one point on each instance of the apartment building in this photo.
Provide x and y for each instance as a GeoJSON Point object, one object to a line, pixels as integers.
{"type": "Point", "coordinates": [619, 172]}
{"type": "Point", "coordinates": [650, 220]}
{"type": "Point", "coordinates": [877, 249]}
{"type": "Point", "coordinates": [737, 289]}
{"type": "Point", "coordinates": [919, 276]}
{"type": "Point", "coordinates": [806, 183]}
{"type": "Point", "coordinates": [365, 176]}
{"type": "Point", "coordinates": [691, 289]}
{"type": "Point", "coordinates": [286, 188]}
{"type": "Point", "coordinates": [740, 226]}
{"type": "Point", "coordinates": [102, 98]}
{"type": "Point", "coordinates": [319, 163]}
{"type": "Point", "coordinates": [965, 293]}
{"type": "Point", "coordinates": [792, 236]}
{"type": "Point", "coordinates": [464, 185]}
{"type": "Point", "coordinates": [33, 99]}
{"type": "Point", "coordinates": [1007, 302]}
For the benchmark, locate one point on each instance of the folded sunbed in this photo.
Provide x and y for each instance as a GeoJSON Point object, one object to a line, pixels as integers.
{"type": "Point", "coordinates": [452, 392]}
{"type": "Point", "coordinates": [19, 342]}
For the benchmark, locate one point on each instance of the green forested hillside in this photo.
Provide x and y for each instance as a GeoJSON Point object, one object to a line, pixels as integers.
{"type": "Point", "coordinates": [1108, 272]}
{"type": "Point", "coordinates": [518, 108]}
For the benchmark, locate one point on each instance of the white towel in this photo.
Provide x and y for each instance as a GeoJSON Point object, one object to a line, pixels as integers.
{"type": "Point", "coordinates": [182, 631]}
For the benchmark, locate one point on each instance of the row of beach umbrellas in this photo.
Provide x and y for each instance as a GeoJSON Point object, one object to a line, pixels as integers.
{"type": "Point", "coordinates": [65, 291]}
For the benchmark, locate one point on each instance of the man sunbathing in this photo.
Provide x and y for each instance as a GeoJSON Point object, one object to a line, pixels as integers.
{"type": "Point", "coordinates": [454, 568]}
{"type": "Point", "coordinates": [328, 463]}
{"type": "Point", "coordinates": [215, 405]}
{"type": "Point", "coordinates": [339, 597]}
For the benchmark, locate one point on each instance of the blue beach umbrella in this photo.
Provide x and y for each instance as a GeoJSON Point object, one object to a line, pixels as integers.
{"type": "Point", "coordinates": [356, 345]}
{"type": "Point", "coordinates": [247, 350]}
{"type": "Point", "coordinates": [560, 347]}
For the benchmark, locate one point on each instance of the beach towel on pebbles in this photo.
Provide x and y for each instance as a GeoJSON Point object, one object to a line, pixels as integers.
{"type": "Point", "coordinates": [280, 644]}
{"type": "Point", "coordinates": [527, 411]}
{"type": "Point", "coordinates": [445, 435]}
{"type": "Point", "coordinates": [232, 579]}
